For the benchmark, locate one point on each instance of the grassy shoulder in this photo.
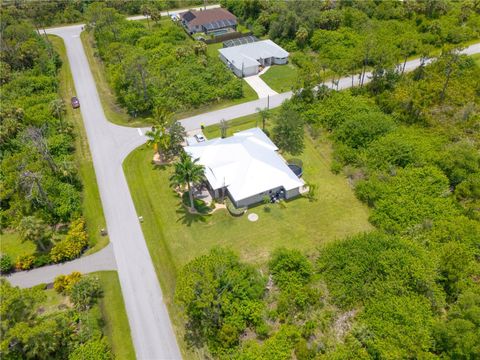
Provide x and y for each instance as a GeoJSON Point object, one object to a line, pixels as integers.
{"type": "Point", "coordinates": [116, 326]}
{"type": "Point", "coordinates": [117, 115]}
{"type": "Point", "coordinates": [281, 78]}
{"type": "Point", "coordinates": [92, 206]}
{"type": "Point", "coordinates": [175, 237]}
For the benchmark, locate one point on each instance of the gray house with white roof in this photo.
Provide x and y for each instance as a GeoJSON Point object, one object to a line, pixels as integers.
{"type": "Point", "coordinates": [246, 167]}
{"type": "Point", "coordinates": [246, 60]}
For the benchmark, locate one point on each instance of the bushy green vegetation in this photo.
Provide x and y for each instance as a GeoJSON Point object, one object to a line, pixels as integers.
{"type": "Point", "coordinates": [409, 146]}
{"type": "Point", "coordinates": [50, 13]}
{"type": "Point", "coordinates": [29, 331]}
{"type": "Point", "coordinates": [159, 67]}
{"type": "Point", "coordinates": [328, 40]}
{"type": "Point", "coordinates": [39, 169]}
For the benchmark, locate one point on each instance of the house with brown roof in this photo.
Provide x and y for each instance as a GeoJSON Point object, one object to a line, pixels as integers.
{"type": "Point", "coordinates": [208, 21]}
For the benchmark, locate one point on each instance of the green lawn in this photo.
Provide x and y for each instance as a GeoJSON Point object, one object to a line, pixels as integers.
{"type": "Point", "coordinates": [281, 78]}
{"type": "Point", "coordinates": [117, 115]}
{"type": "Point", "coordinates": [11, 245]}
{"type": "Point", "coordinates": [92, 206]}
{"type": "Point", "coordinates": [175, 238]}
{"type": "Point", "coordinates": [116, 327]}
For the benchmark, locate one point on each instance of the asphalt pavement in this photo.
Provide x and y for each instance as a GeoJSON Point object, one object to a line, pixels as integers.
{"type": "Point", "coordinates": [102, 260]}
{"type": "Point", "coordinates": [151, 329]}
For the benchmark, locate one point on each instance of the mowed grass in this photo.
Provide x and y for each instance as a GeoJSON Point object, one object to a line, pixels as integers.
{"type": "Point", "coordinates": [13, 246]}
{"type": "Point", "coordinates": [175, 238]}
{"type": "Point", "coordinates": [115, 113]}
{"type": "Point", "coordinates": [281, 78]}
{"type": "Point", "coordinates": [116, 327]}
{"type": "Point", "coordinates": [91, 203]}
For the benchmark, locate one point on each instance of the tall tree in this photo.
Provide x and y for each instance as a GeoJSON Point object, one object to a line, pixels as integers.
{"type": "Point", "coordinates": [288, 131]}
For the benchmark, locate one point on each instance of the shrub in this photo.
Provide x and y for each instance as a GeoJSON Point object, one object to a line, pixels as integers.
{"type": "Point", "coordinates": [290, 266]}
{"type": "Point", "coordinates": [233, 210]}
{"type": "Point", "coordinates": [64, 283]}
{"type": "Point", "coordinates": [6, 264]}
{"type": "Point", "coordinates": [85, 292]}
{"type": "Point", "coordinates": [74, 243]}
{"type": "Point", "coordinates": [93, 349]}
{"type": "Point", "coordinates": [24, 262]}
{"type": "Point", "coordinates": [42, 260]}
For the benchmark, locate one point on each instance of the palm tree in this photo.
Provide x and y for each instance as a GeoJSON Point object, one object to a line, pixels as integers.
{"type": "Point", "coordinates": [264, 114]}
{"type": "Point", "coordinates": [154, 137]}
{"type": "Point", "coordinates": [159, 138]}
{"type": "Point", "coordinates": [187, 171]}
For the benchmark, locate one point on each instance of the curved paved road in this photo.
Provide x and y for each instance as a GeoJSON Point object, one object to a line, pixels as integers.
{"type": "Point", "coordinates": [151, 329]}
{"type": "Point", "coordinates": [100, 261]}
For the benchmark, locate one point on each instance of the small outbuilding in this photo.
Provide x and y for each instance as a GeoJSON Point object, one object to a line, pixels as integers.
{"type": "Point", "coordinates": [247, 168]}
{"type": "Point", "coordinates": [246, 60]}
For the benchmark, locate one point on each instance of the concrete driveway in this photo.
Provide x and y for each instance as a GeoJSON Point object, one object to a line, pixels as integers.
{"type": "Point", "coordinates": [260, 86]}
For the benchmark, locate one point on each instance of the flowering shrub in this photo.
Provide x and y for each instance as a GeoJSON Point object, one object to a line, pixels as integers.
{"type": "Point", "coordinates": [24, 262]}
{"type": "Point", "coordinates": [74, 243]}
{"type": "Point", "coordinates": [64, 283]}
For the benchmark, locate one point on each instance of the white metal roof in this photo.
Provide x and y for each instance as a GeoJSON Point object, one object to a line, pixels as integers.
{"type": "Point", "coordinates": [247, 163]}
{"type": "Point", "coordinates": [248, 54]}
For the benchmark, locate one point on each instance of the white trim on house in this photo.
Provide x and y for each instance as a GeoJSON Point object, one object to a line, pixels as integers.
{"type": "Point", "coordinates": [247, 165]}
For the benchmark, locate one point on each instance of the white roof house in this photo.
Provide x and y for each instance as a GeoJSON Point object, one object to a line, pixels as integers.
{"type": "Point", "coordinates": [247, 165]}
{"type": "Point", "coordinates": [245, 59]}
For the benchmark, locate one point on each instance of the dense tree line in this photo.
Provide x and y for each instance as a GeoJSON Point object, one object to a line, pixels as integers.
{"type": "Point", "coordinates": [49, 13]}
{"type": "Point", "coordinates": [348, 37]}
{"type": "Point", "coordinates": [40, 183]}
{"type": "Point", "coordinates": [159, 67]}
{"type": "Point", "coordinates": [31, 332]}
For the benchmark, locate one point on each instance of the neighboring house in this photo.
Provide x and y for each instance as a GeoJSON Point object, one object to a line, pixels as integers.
{"type": "Point", "coordinates": [246, 59]}
{"type": "Point", "coordinates": [208, 21]}
{"type": "Point", "coordinates": [246, 167]}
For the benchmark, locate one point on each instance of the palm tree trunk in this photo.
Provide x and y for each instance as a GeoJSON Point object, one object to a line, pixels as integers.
{"type": "Point", "coordinates": [190, 195]}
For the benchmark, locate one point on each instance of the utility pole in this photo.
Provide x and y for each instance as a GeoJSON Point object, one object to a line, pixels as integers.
{"type": "Point", "coordinates": [204, 4]}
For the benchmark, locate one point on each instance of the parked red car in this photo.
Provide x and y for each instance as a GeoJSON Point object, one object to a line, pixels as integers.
{"type": "Point", "coordinates": [75, 102]}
